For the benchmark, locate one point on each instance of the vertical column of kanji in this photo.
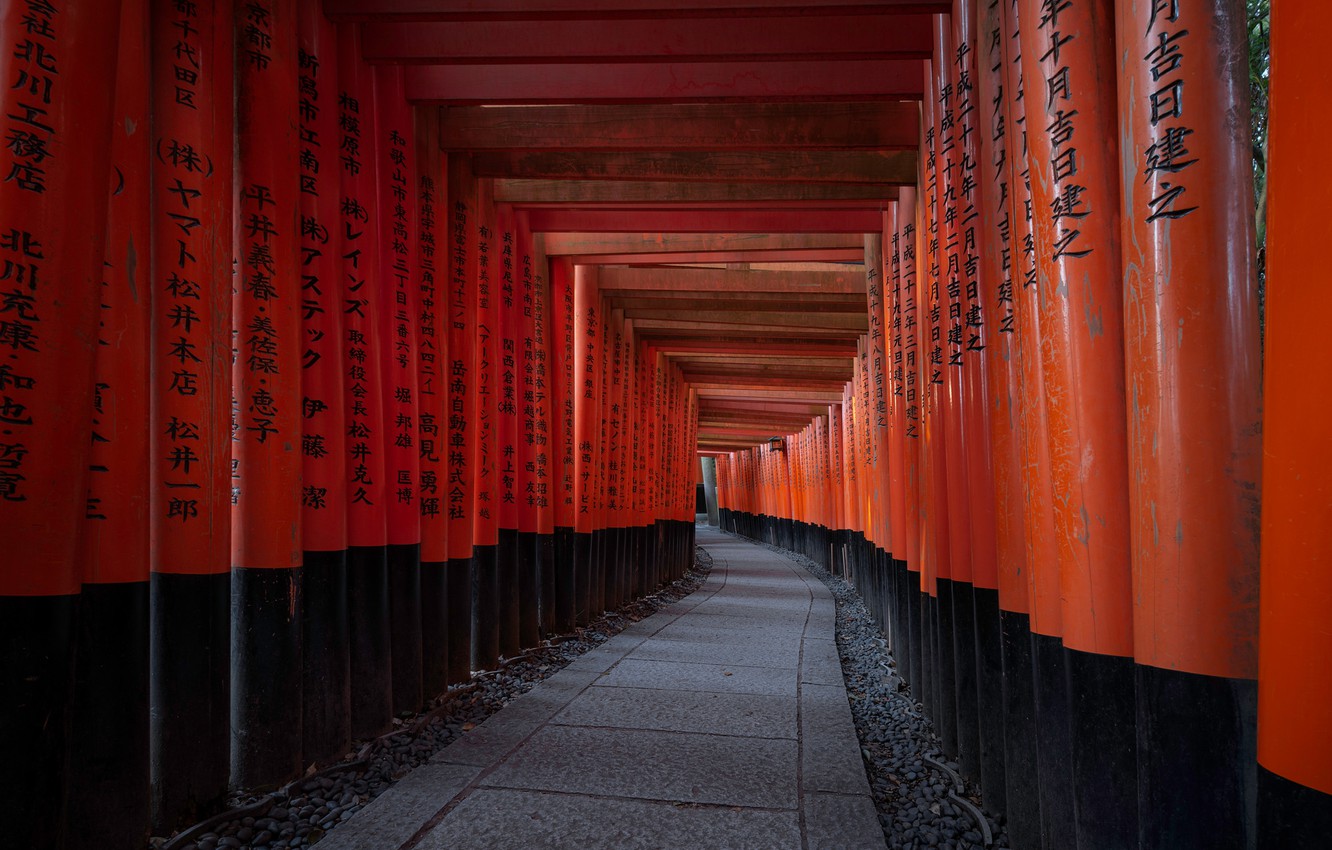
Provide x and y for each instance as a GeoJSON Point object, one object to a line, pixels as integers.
{"type": "Point", "coordinates": [586, 375]}
{"type": "Point", "coordinates": [649, 418]}
{"type": "Point", "coordinates": [537, 267]}
{"type": "Point", "coordinates": [600, 526]}
{"type": "Point", "coordinates": [942, 417]}
{"type": "Point", "coordinates": [891, 257]}
{"type": "Point", "coordinates": [191, 269]}
{"type": "Point", "coordinates": [509, 330]}
{"type": "Point", "coordinates": [395, 177]}
{"type": "Point", "coordinates": [956, 600]}
{"type": "Point", "coordinates": [1045, 643]}
{"type": "Point", "coordinates": [906, 420]}
{"type": "Point", "coordinates": [659, 459]}
{"type": "Point", "coordinates": [1294, 693]}
{"type": "Point", "coordinates": [108, 769]}
{"type": "Point", "coordinates": [367, 437]}
{"type": "Point", "coordinates": [868, 477]}
{"type": "Point", "coordinates": [835, 500]}
{"type": "Point", "coordinates": [485, 521]}
{"type": "Point", "coordinates": [890, 474]}
{"type": "Point", "coordinates": [266, 462]}
{"type": "Point", "coordinates": [1192, 355]}
{"type": "Point", "coordinates": [1068, 46]}
{"type": "Point", "coordinates": [633, 466]}
{"type": "Point", "coordinates": [1011, 633]}
{"type": "Point", "coordinates": [525, 487]}
{"type": "Point", "coordinates": [614, 458]}
{"type": "Point", "coordinates": [981, 664]}
{"type": "Point", "coordinates": [878, 416]}
{"type": "Point", "coordinates": [563, 448]}
{"type": "Point", "coordinates": [432, 404]}
{"type": "Point", "coordinates": [326, 694]}
{"type": "Point", "coordinates": [848, 478]}
{"type": "Point", "coordinates": [460, 492]}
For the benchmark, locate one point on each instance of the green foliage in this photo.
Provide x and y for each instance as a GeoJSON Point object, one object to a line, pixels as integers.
{"type": "Point", "coordinates": [1259, 15]}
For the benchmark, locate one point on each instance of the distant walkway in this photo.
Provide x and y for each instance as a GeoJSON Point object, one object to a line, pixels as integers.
{"type": "Point", "coordinates": [719, 722]}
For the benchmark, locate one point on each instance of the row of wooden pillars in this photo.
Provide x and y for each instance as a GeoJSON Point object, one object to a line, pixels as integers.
{"type": "Point", "coordinates": [1045, 475]}
{"type": "Point", "coordinates": [298, 426]}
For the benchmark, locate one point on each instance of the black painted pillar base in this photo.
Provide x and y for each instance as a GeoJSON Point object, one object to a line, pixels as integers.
{"type": "Point", "coordinates": [1102, 711]}
{"type": "Point", "coordinates": [506, 589]}
{"type": "Point", "coordinates": [266, 678]}
{"type": "Point", "coordinates": [434, 628]}
{"type": "Point", "coordinates": [989, 688]}
{"type": "Point", "coordinates": [37, 646]}
{"type": "Point", "coordinates": [967, 679]}
{"type": "Point", "coordinates": [1291, 816]}
{"type": "Point", "coordinates": [927, 687]}
{"type": "Point", "coordinates": [596, 574]}
{"type": "Point", "coordinates": [485, 607]}
{"type": "Point", "coordinates": [108, 775]}
{"type": "Point", "coordinates": [946, 721]}
{"type": "Point", "coordinates": [189, 696]}
{"type": "Point", "coordinates": [915, 632]}
{"type": "Point", "coordinates": [529, 589]}
{"type": "Point", "coordinates": [545, 555]}
{"type": "Point", "coordinates": [1197, 756]}
{"type": "Point", "coordinates": [1054, 748]}
{"type": "Point", "coordinates": [582, 577]}
{"type": "Point", "coordinates": [459, 580]}
{"type": "Point", "coordinates": [566, 582]}
{"type": "Point", "coordinates": [404, 572]}
{"type": "Point", "coordinates": [1021, 778]}
{"type": "Point", "coordinates": [370, 640]}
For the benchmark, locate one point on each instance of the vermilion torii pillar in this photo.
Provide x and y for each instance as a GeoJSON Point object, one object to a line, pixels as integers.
{"type": "Point", "coordinates": [460, 376]}
{"type": "Point", "coordinates": [395, 176]}
{"type": "Point", "coordinates": [507, 461]}
{"type": "Point", "coordinates": [1192, 354]}
{"type": "Point", "coordinates": [1294, 691]}
{"type": "Point", "coordinates": [361, 349]}
{"type": "Point", "coordinates": [1001, 150]}
{"type": "Point", "coordinates": [326, 697]}
{"type": "Point", "coordinates": [586, 381]}
{"type": "Point", "coordinates": [191, 268]}
{"type": "Point", "coordinates": [564, 440]}
{"type": "Point", "coordinates": [1068, 64]}
{"type": "Point", "coordinates": [485, 507]}
{"type": "Point", "coordinates": [109, 748]}
{"type": "Point", "coordinates": [266, 418]}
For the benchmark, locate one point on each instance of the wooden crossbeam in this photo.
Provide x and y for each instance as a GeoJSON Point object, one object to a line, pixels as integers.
{"type": "Point", "coordinates": [726, 280]}
{"type": "Point", "coordinates": [897, 168]}
{"type": "Point", "coordinates": [587, 244]}
{"type": "Point", "coordinates": [748, 220]}
{"type": "Point", "coordinates": [461, 10]}
{"type": "Point", "coordinates": [529, 193]}
{"type": "Point", "coordinates": [873, 125]}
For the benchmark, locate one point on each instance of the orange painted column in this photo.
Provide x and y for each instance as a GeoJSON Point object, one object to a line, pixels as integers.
{"type": "Point", "coordinates": [108, 773]}
{"type": "Point", "coordinates": [1193, 358]}
{"type": "Point", "coordinates": [906, 424]}
{"type": "Point", "coordinates": [190, 507]}
{"type": "Point", "coordinates": [1294, 694]}
{"type": "Point", "coordinates": [460, 490]}
{"type": "Point", "coordinates": [266, 656]}
{"type": "Point", "coordinates": [1067, 56]}
{"type": "Point", "coordinates": [511, 586]}
{"type": "Point", "coordinates": [395, 174]}
{"type": "Point", "coordinates": [836, 474]}
{"type": "Point", "coordinates": [1015, 789]}
{"type": "Point", "coordinates": [368, 492]}
{"type": "Point", "coordinates": [978, 628]}
{"type": "Point", "coordinates": [563, 350]}
{"type": "Point", "coordinates": [525, 485]}
{"type": "Point", "coordinates": [325, 694]}
{"type": "Point", "coordinates": [486, 607]}
{"type": "Point", "coordinates": [587, 424]}
{"type": "Point", "coordinates": [59, 67]}
{"type": "Point", "coordinates": [1053, 747]}
{"type": "Point", "coordinates": [536, 267]}
{"type": "Point", "coordinates": [432, 401]}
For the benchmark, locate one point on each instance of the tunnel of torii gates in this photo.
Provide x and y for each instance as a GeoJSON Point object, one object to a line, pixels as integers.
{"type": "Point", "coordinates": [328, 376]}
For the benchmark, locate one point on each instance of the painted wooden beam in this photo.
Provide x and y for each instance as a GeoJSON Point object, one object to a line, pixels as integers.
{"type": "Point", "coordinates": [461, 10]}
{"type": "Point", "coordinates": [895, 36]}
{"type": "Point", "coordinates": [727, 280]}
{"type": "Point", "coordinates": [794, 255]}
{"type": "Point", "coordinates": [721, 302]}
{"type": "Point", "coordinates": [897, 168]}
{"type": "Point", "coordinates": [530, 193]}
{"type": "Point", "coordinates": [703, 220]}
{"type": "Point", "coordinates": [759, 318]}
{"type": "Point", "coordinates": [873, 125]}
{"type": "Point", "coordinates": [560, 244]}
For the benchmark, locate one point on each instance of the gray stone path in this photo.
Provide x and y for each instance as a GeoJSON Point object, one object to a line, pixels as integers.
{"type": "Point", "coordinates": [718, 722]}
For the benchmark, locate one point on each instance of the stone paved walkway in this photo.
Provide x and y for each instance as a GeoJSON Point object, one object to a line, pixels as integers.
{"type": "Point", "coordinates": [719, 722]}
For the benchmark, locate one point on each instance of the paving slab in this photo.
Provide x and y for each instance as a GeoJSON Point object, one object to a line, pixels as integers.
{"type": "Point", "coordinates": [721, 722]}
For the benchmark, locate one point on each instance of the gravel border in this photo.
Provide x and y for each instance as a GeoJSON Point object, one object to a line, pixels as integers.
{"type": "Point", "coordinates": [921, 798]}
{"type": "Point", "coordinates": [303, 811]}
